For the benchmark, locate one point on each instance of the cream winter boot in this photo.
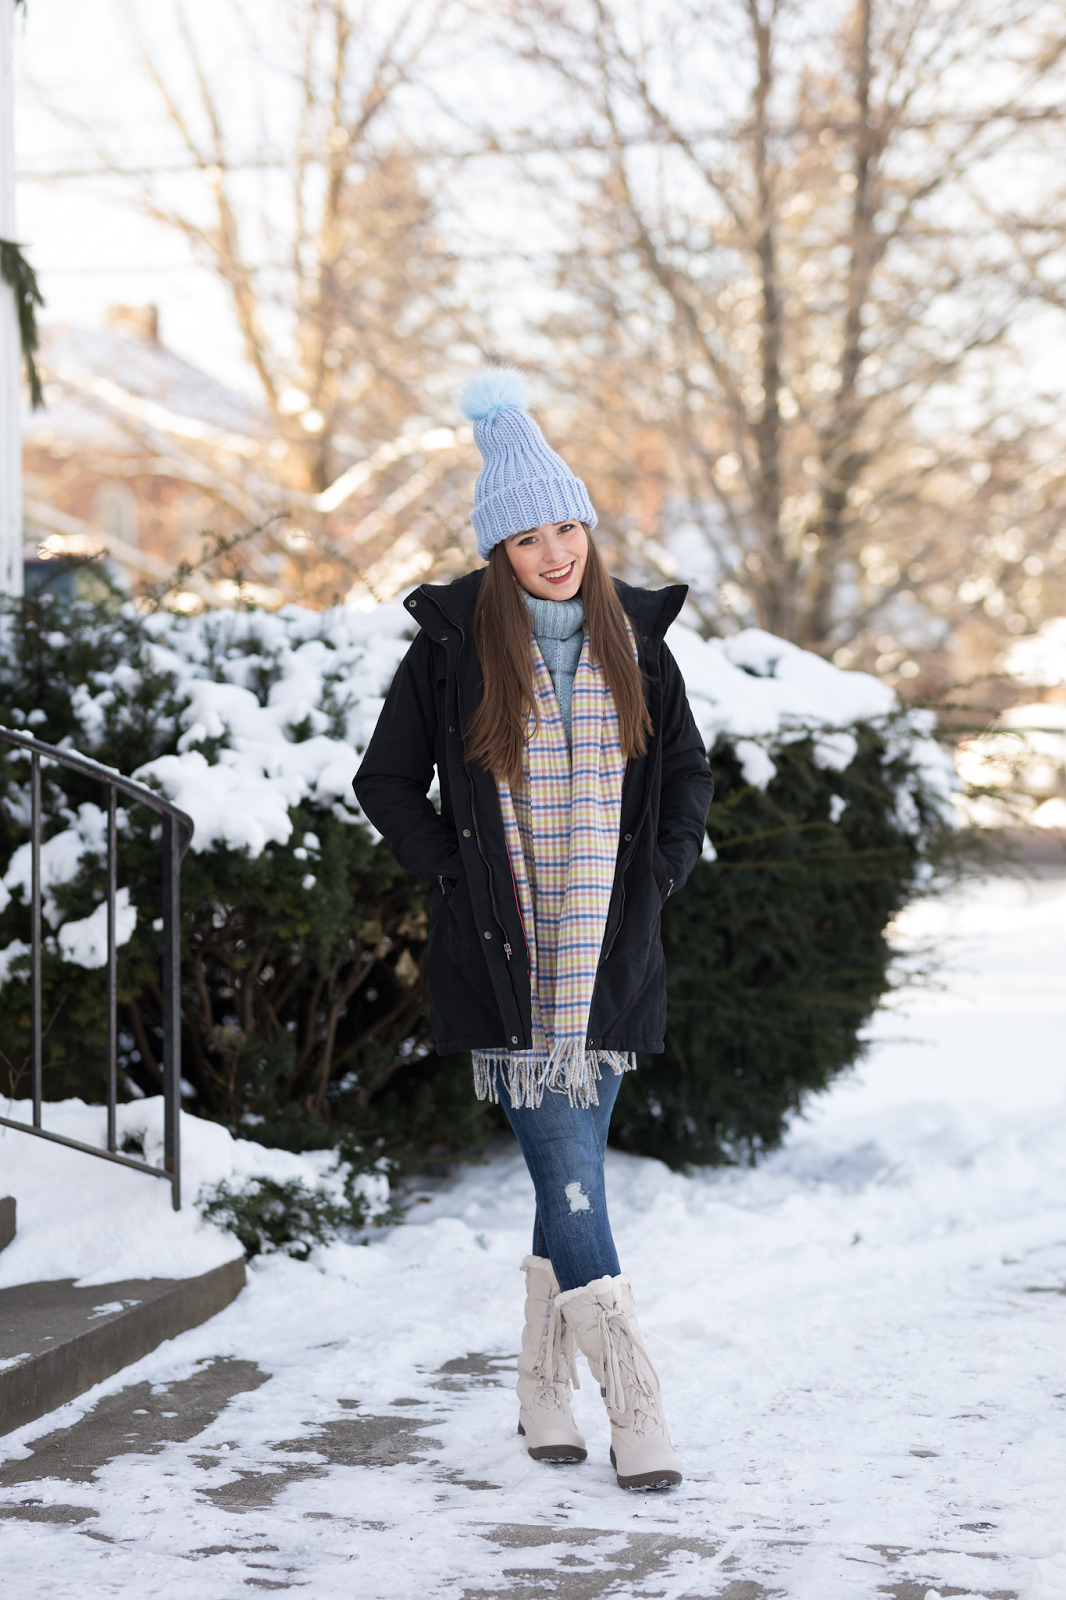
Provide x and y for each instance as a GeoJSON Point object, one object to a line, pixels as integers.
{"type": "Point", "coordinates": [546, 1369]}
{"type": "Point", "coordinates": [604, 1320]}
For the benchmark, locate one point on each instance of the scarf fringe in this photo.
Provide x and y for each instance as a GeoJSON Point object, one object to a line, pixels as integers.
{"type": "Point", "coordinates": [571, 1069]}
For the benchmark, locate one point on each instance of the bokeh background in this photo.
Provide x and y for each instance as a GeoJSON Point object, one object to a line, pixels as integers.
{"type": "Point", "coordinates": [788, 278]}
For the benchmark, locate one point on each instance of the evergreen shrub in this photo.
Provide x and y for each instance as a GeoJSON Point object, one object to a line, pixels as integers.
{"type": "Point", "coordinates": [287, 1216]}
{"type": "Point", "coordinates": [778, 952]}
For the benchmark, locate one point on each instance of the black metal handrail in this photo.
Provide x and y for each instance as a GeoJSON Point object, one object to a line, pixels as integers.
{"type": "Point", "coordinates": [177, 833]}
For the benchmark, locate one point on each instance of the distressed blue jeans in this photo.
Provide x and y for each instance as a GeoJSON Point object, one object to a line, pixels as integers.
{"type": "Point", "coordinates": [564, 1148]}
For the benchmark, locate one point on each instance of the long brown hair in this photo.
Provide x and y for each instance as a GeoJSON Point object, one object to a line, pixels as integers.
{"type": "Point", "coordinates": [496, 736]}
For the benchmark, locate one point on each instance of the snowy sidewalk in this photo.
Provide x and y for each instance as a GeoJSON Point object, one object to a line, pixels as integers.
{"type": "Point", "coordinates": [862, 1345]}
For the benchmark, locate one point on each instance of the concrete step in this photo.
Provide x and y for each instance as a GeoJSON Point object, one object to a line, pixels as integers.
{"type": "Point", "coordinates": [56, 1340]}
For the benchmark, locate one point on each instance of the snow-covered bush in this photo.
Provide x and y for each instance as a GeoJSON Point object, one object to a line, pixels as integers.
{"type": "Point", "coordinates": [268, 1214]}
{"type": "Point", "coordinates": [304, 945]}
{"type": "Point", "coordinates": [832, 809]}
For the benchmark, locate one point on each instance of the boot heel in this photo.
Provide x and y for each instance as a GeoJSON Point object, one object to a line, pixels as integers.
{"type": "Point", "coordinates": [555, 1452]}
{"type": "Point", "coordinates": [558, 1454]}
{"type": "Point", "coordinates": [665, 1479]}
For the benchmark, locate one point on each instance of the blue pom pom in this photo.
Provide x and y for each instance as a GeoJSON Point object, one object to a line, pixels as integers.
{"type": "Point", "coordinates": [495, 389]}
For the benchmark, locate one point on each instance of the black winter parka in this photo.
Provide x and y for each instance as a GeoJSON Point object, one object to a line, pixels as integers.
{"type": "Point", "coordinates": [478, 972]}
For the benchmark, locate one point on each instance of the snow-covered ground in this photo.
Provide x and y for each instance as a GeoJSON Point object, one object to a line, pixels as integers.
{"type": "Point", "coordinates": [990, 1028]}
{"type": "Point", "coordinates": [862, 1344]}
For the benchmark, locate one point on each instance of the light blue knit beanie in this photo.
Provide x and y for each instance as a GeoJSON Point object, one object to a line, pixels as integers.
{"type": "Point", "coordinates": [523, 483]}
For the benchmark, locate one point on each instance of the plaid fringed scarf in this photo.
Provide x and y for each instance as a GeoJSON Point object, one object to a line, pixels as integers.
{"type": "Point", "coordinates": [561, 827]}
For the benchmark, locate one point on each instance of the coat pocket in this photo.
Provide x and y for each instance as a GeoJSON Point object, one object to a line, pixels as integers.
{"type": "Point", "coordinates": [661, 873]}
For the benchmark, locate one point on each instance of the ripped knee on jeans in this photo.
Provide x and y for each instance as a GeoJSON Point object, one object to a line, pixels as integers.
{"type": "Point", "coordinates": [579, 1200]}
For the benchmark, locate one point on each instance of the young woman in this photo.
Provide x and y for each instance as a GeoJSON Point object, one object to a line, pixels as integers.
{"type": "Point", "coordinates": [573, 801]}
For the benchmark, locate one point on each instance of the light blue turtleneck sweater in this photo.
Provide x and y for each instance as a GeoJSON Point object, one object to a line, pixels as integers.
{"type": "Point", "coordinates": [559, 629]}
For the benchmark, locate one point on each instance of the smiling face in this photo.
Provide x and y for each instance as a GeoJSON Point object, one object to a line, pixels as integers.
{"type": "Point", "coordinates": [549, 562]}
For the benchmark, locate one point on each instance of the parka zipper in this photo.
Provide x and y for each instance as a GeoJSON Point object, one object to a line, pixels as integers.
{"type": "Point", "coordinates": [518, 908]}
{"type": "Point", "coordinates": [622, 907]}
{"type": "Point", "coordinates": [618, 928]}
{"type": "Point", "coordinates": [488, 869]}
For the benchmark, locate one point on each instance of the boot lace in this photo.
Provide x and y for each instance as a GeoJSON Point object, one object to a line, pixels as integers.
{"type": "Point", "coordinates": [629, 1380]}
{"type": "Point", "coordinates": [557, 1364]}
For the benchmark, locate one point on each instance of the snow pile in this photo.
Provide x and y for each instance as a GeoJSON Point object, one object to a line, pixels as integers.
{"type": "Point", "coordinates": [82, 942]}
{"type": "Point", "coordinates": [758, 691]}
{"type": "Point", "coordinates": [273, 709]}
{"type": "Point", "coordinates": [79, 1217]}
{"type": "Point", "coordinates": [60, 857]}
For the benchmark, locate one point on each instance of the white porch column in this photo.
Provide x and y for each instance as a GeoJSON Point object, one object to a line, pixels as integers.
{"type": "Point", "coordinates": [10, 352]}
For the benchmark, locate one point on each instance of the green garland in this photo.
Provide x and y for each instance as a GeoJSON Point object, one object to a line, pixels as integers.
{"type": "Point", "coordinates": [16, 271]}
